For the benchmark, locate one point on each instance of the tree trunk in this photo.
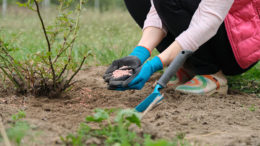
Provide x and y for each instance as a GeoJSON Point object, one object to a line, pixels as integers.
{"type": "Point", "coordinates": [97, 5]}
{"type": "Point", "coordinates": [47, 3]}
{"type": "Point", "coordinates": [4, 7]}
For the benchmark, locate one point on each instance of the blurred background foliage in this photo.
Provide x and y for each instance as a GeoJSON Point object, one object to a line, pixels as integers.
{"type": "Point", "coordinates": [101, 5]}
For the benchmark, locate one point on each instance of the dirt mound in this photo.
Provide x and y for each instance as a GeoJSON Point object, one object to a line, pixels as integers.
{"type": "Point", "coordinates": [206, 120]}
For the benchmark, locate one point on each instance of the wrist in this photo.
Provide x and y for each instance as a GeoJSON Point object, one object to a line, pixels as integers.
{"type": "Point", "coordinates": [156, 64]}
{"type": "Point", "coordinates": [141, 53]}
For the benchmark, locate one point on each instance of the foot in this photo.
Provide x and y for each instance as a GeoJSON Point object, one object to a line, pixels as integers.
{"type": "Point", "coordinates": [205, 85]}
{"type": "Point", "coordinates": [182, 76]}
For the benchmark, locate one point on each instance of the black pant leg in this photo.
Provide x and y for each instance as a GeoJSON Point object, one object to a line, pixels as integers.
{"type": "Point", "coordinates": [176, 14]}
{"type": "Point", "coordinates": [139, 9]}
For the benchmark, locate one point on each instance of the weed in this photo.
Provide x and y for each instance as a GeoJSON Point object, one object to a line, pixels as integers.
{"type": "Point", "coordinates": [115, 132]}
{"type": "Point", "coordinates": [19, 129]}
{"type": "Point", "coordinates": [20, 115]}
{"type": "Point", "coordinates": [252, 108]}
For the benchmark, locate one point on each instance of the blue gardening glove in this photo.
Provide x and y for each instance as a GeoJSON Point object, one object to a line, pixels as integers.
{"type": "Point", "coordinates": [141, 53]}
{"type": "Point", "coordinates": [139, 78]}
{"type": "Point", "coordinates": [133, 61]}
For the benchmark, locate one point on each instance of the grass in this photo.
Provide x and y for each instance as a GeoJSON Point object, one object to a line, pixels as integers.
{"type": "Point", "coordinates": [248, 82]}
{"type": "Point", "coordinates": [109, 36]}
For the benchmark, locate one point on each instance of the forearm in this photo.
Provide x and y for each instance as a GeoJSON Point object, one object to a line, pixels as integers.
{"type": "Point", "coordinates": [151, 37]}
{"type": "Point", "coordinates": [205, 23]}
{"type": "Point", "coordinates": [168, 55]}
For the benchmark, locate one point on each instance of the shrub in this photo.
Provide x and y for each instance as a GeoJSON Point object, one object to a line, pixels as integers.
{"type": "Point", "coordinates": [51, 71]}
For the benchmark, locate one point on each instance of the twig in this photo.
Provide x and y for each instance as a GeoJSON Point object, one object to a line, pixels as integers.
{"type": "Point", "coordinates": [63, 70]}
{"type": "Point", "coordinates": [10, 77]}
{"type": "Point", "coordinates": [63, 49]}
{"type": "Point", "coordinates": [70, 46]}
{"type": "Point", "coordinates": [3, 133]}
{"type": "Point", "coordinates": [75, 31]}
{"type": "Point", "coordinates": [48, 42]}
{"type": "Point", "coordinates": [75, 73]}
{"type": "Point", "coordinates": [12, 64]}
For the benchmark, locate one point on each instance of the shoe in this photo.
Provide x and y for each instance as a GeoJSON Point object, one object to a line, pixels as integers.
{"type": "Point", "coordinates": [181, 77]}
{"type": "Point", "coordinates": [205, 85]}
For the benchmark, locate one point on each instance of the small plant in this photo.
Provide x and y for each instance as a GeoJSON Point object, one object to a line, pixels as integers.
{"type": "Point", "coordinates": [115, 132]}
{"type": "Point", "coordinates": [50, 71]}
{"type": "Point", "coordinates": [252, 108]}
{"type": "Point", "coordinates": [109, 132]}
{"type": "Point", "coordinates": [18, 128]}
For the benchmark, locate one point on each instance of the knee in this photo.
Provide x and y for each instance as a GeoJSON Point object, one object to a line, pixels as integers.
{"type": "Point", "coordinates": [159, 5]}
{"type": "Point", "coordinates": [165, 6]}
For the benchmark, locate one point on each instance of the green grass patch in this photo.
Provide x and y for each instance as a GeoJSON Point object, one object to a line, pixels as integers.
{"type": "Point", "coordinates": [109, 35]}
{"type": "Point", "coordinates": [248, 82]}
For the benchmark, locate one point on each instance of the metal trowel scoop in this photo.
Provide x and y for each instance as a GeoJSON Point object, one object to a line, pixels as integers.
{"type": "Point", "coordinates": [156, 96]}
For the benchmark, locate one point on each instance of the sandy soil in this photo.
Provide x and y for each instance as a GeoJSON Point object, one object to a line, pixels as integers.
{"type": "Point", "coordinates": [206, 120]}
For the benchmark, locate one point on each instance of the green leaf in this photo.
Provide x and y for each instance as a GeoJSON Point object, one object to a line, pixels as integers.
{"type": "Point", "coordinates": [21, 4]}
{"type": "Point", "coordinates": [99, 116]}
{"type": "Point", "coordinates": [18, 131]}
{"type": "Point", "coordinates": [48, 53]}
{"type": "Point", "coordinates": [20, 115]}
{"type": "Point", "coordinates": [83, 129]}
{"type": "Point", "coordinates": [129, 115]}
{"type": "Point", "coordinates": [149, 142]}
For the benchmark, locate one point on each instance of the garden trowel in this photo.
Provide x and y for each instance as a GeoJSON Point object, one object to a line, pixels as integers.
{"type": "Point", "coordinates": [156, 96]}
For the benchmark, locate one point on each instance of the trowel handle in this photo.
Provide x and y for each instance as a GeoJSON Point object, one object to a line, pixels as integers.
{"type": "Point", "coordinates": [173, 67]}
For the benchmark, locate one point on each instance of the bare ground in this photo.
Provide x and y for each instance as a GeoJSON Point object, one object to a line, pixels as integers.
{"type": "Point", "coordinates": [206, 120]}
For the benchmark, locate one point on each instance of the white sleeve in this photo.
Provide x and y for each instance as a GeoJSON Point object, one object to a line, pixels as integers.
{"type": "Point", "coordinates": [205, 23]}
{"type": "Point", "coordinates": [153, 19]}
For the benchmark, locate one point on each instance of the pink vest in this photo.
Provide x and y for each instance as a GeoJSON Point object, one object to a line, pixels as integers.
{"type": "Point", "coordinates": [243, 29]}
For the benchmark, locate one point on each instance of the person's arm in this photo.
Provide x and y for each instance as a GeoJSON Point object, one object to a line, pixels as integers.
{"type": "Point", "coordinates": [153, 30]}
{"type": "Point", "coordinates": [151, 37]}
{"type": "Point", "coordinates": [204, 25]}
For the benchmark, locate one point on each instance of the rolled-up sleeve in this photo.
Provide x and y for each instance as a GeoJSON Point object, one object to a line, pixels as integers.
{"type": "Point", "coordinates": [153, 19]}
{"type": "Point", "coordinates": [204, 24]}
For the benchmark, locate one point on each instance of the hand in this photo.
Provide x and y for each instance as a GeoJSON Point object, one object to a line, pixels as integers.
{"type": "Point", "coordinates": [131, 62]}
{"type": "Point", "coordinates": [140, 76]}
{"type": "Point", "coordinates": [126, 63]}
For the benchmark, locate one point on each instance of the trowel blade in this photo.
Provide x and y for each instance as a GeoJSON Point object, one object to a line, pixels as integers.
{"type": "Point", "coordinates": [146, 102]}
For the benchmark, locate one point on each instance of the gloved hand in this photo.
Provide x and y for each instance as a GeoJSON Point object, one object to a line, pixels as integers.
{"type": "Point", "coordinates": [131, 62]}
{"type": "Point", "coordinates": [139, 77]}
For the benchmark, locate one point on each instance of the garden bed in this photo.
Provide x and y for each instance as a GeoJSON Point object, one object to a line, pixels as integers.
{"type": "Point", "coordinates": [231, 119]}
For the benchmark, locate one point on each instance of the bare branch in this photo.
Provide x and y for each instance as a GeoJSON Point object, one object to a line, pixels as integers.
{"type": "Point", "coordinates": [48, 42]}
{"type": "Point", "coordinates": [63, 70]}
{"type": "Point", "coordinates": [75, 30]}
{"type": "Point", "coordinates": [75, 73]}
{"type": "Point", "coordinates": [10, 77]}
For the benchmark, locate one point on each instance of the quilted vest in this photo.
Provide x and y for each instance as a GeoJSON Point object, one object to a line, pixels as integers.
{"type": "Point", "coordinates": [243, 28]}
